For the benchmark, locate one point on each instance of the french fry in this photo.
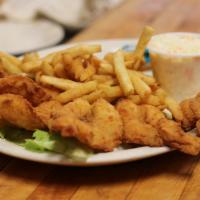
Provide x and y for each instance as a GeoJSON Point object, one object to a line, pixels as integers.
{"type": "Point", "coordinates": [122, 74]}
{"type": "Point", "coordinates": [102, 78]}
{"type": "Point", "coordinates": [59, 70]}
{"type": "Point", "coordinates": [38, 76]}
{"type": "Point", "coordinates": [47, 68]}
{"type": "Point", "coordinates": [145, 37]}
{"type": "Point", "coordinates": [58, 58]}
{"type": "Point", "coordinates": [94, 61]}
{"type": "Point", "coordinates": [109, 58]}
{"type": "Point", "coordinates": [161, 94]}
{"type": "Point", "coordinates": [9, 66]}
{"type": "Point", "coordinates": [105, 79]}
{"type": "Point", "coordinates": [112, 82]}
{"type": "Point", "coordinates": [105, 68]}
{"type": "Point", "coordinates": [111, 91]}
{"type": "Point", "coordinates": [152, 100]}
{"type": "Point", "coordinates": [76, 69]}
{"type": "Point", "coordinates": [11, 58]}
{"type": "Point", "coordinates": [128, 56]}
{"type": "Point", "coordinates": [129, 64]}
{"type": "Point", "coordinates": [147, 79]}
{"type": "Point", "coordinates": [82, 49]}
{"type": "Point", "coordinates": [88, 72]}
{"type": "Point", "coordinates": [141, 87]}
{"type": "Point", "coordinates": [79, 91]}
{"type": "Point", "coordinates": [31, 66]}
{"type": "Point", "coordinates": [49, 58]}
{"type": "Point", "coordinates": [175, 108]}
{"type": "Point", "coordinates": [67, 59]}
{"type": "Point", "coordinates": [30, 57]}
{"type": "Point", "coordinates": [60, 83]}
{"type": "Point", "coordinates": [135, 99]}
{"type": "Point", "coordinates": [92, 97]}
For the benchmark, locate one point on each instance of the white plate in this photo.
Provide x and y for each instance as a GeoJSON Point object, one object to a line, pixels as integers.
{"type": "Point", "coordinates": [20, 37]}
{"type": "Point", "coordinates": [118, 156]}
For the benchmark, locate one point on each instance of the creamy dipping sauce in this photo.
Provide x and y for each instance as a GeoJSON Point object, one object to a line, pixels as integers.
{"type": "Point", "coordinates": [175, 60]}
{"type": "Point", "coordinates": [176, 43]}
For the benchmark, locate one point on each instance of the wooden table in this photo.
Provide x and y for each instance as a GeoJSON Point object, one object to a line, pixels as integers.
{"type": "Point", "coordinates": [171, 176]}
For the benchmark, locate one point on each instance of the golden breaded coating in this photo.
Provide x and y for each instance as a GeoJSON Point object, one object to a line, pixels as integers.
{"type": "Point", "coordinates": [98, 126]}
{"type": "Point", "coordinates": [46, 111]}
{"type": "Point", "coordinates": [198, 127]}
{"type": "Point", "coordinates": [17, 111]}
{"type": "Point", "coordinates": [174, 136]}
{"type": "Point", "coordinates": [191, 111]}
{"type": "Point", "coordinates": [169, 131]}
{"type": "Point", "coordinates": [136, 130]}
{"type": "Point", "coordinates": [25, 87]}
{"type": "Point", "coordinates": [189, 117]}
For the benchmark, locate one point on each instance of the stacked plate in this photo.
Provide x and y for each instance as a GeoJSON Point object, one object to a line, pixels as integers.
{"type": "Point", "coordinates": [20, 37]}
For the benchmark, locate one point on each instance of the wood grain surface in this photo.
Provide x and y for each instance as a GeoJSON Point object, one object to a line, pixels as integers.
{"type": "Point", "coordinates": [173, 176]}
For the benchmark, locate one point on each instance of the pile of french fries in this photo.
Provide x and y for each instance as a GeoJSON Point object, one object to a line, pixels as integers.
{"type": "Point", "coordinates": [78, 73]}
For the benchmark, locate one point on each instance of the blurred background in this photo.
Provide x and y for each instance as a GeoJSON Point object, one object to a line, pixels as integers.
{"type": "Point", "coordinates": [28, 25]}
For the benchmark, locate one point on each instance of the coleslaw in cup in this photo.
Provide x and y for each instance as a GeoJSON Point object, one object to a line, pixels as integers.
{"type": "Point", "coordinates": [175, 59]}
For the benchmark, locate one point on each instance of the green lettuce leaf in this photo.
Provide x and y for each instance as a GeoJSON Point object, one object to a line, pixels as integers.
{"type": "Point", "coordinates": [43, 141]}
{"type": "Point", "coordinates": [15, 135]}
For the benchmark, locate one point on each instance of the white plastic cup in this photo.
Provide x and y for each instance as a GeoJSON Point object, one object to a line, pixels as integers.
{"type": "Point", "coordinates": [177, 70]}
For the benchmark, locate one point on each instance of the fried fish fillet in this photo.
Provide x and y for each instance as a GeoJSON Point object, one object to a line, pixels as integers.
{"type": "Point", "coordinates": [16, 110]}
{"type": "Point", "coordinates": [25, 87]}
{"type": "Point", "coordinates": [98, 126]}
{"type": "Point", "coordinates": [165, 131]}
{"type": "Point", "coordinates": [174, 136]}
{"type": "Point", "coordinates": [136, 130]}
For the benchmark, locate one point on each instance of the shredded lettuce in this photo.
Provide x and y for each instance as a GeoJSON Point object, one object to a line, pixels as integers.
{"type": "Point", "coordinates": [1, 135]}
{"type": "Point", "coordinates": [15, 135]}
{"type": "Point", "coordinates": [43, 141]}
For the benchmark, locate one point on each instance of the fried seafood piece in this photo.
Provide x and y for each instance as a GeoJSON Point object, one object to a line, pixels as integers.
{"type": "Point", "coordinates": [51, 91]}
{"type": "Point", "coordinates": [174, 136]}
{"type": "Point", "coordinates": [16, 110]}
{"type": "Point", "coordinates": [48, 111]}
{"type": "Point", "coordinates": [3, 73]}
{"type": "Point", "coordinates": [25, 87]}
{"type": "Point", "coordinates": [198, 127]}
{"type": "Point", "coordinates": [191, 111]}
{"type": "Point", "coordinates": [169, 131]}
{"type": "Point", "coordinates": [189, 116]}
{"type": "Point", "coordinates": [99, 125]}
{"type": "Point", "coordinates": [136, 130]}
